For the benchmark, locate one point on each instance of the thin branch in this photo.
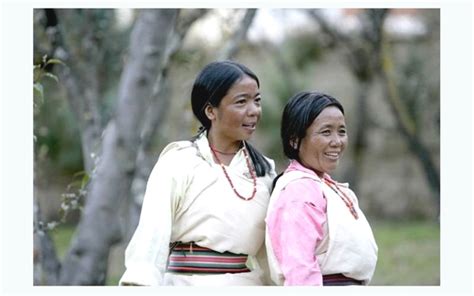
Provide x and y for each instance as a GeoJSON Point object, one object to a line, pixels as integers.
{"type": "Point", "coordinates": [232, 46]}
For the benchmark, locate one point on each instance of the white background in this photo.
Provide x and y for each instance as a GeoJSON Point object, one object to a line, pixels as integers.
{"type": "Point", "coordinates": [16, 149]}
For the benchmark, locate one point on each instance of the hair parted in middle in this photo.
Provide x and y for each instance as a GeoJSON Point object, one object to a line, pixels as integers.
{"type": "Point", "coordinates": [210, 87]}
{"type": "Point", "coordinates": [213, 83]}
{"type": "Point", "coordinates": [298, 115]}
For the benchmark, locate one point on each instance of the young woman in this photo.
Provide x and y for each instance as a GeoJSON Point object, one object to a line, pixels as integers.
{"type": "Point", "coordinates": [202, 219]}
{"type": "Point", "coordinates": [316, 232]}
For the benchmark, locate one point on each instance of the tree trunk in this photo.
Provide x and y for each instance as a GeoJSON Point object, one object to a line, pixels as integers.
{"type": "Point", "coordinates": [99, 228]}
{"type": "Point", "coordinates": [359, 139]}
{"type": "Point", "coordinates": [406, 124]}
{"type": "Point", "coordinates": [154, 117]}
{"type": "Point", "coordinates": [45, 261]}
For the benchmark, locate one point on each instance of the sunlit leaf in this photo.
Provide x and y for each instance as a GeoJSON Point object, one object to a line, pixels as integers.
{"type": "Point", "coordinates": [54, 61]}
{"type": "Point", "coordinates": [85, 180]}
{"type": "Point", "coordinates": [52, 76]}
{"type": "Point", "coordinates": [38, 88]}
{"type": "Point", "coordinates": [80, 173]}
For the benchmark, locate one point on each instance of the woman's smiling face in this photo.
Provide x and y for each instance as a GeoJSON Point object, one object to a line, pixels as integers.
{"type": "Point", "coordinates": [324, 142]}
{"type": "Point", "coordinates": [239, 111]}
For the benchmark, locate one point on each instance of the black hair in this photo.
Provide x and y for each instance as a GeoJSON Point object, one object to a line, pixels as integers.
{"type": "Point", "coordinates": [299, 113]}
{"type": "Point", "coordinates": [210, 86]}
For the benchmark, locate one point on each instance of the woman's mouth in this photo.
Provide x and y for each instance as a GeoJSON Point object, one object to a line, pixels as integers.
{"type": "Point", "coordinates": [250, 126]}
{"type": "Point", "coordinates": [332, 155]}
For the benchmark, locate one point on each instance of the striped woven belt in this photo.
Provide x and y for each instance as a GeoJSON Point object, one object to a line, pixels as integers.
{"type": "Point", "coordinates": [191, 258]}
{"type": "Point", "coordinates": [339, 279]}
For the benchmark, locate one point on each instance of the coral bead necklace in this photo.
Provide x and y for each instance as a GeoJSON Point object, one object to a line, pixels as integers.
{"type": "Point", "coordinates": [347, 201]}
{"type": "Point", "coordinates": [252, 173]}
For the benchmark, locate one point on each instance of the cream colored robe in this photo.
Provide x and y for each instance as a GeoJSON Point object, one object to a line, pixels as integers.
{"type": "Point", "coordinates": [188, 198]}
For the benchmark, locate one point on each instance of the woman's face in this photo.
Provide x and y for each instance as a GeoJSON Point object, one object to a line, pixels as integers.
{"type": "Point", "coordinates": [239, 111]}
{"type": "Point", "coordinates": [325, 140]}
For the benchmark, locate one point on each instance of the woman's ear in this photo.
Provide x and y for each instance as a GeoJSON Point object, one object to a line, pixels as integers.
{"type": "Point", "coordinates": [210, 112]}
{"type": "Point", "coordinates": [294, 143]}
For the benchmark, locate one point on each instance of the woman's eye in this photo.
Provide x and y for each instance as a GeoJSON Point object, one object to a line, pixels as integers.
{"type": "Point", "coordinates": [342, 132]}
{"type": "Point", "coordinates": [326, 132]}
{"type": "Point", "coordinates": [240, 102]}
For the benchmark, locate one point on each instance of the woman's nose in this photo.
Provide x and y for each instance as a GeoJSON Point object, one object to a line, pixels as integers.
{"type": "Point", "coordinates": [336, 140]}
{"type": "Point", "coordinates": [254, 109]}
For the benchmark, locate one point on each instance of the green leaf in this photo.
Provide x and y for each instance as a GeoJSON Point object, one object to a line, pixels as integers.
{"type": "Point", "coordinates": [52, 76]}
{"type": "Point", "coordinates": [85, 180]}
{"type": "Point", "coordinates": [54, 61]}
{"type": "Point", "coordinates": [38, 88]}
{"type": "Point", "coordinates": [80, 173]}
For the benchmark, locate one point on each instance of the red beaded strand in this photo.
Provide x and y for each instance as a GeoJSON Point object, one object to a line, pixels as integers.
{"type": "Point", "coordinates": [252, 173]}
{"type": "Point", "coordinates": [344, 197]}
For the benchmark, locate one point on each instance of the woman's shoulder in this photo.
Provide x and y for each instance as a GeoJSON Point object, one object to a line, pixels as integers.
{"type": "Point", "coordinates": [181, 153]}
{"type": "Point", "coordinates": [175, 147]}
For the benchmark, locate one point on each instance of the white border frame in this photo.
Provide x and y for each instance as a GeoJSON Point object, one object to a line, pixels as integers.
{"type": "Point", "coordinates": [16, 148]}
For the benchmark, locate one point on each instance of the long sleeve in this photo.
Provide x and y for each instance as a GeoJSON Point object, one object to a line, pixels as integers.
{"type": "Point", "coordinates": [146, 255]}
{"type": "Point", "coordinates": [295, 228]}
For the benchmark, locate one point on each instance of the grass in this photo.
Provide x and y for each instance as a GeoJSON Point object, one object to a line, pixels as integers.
{"type": "Point", "coordinates": [409, 253]}
{"type": "Point", "coordinates": [62, 238]}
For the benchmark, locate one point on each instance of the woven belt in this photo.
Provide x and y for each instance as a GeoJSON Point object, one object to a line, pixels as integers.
{"type": "Point", "coordinates": [339, 279]}
{"type": "Point", "coordinates": [191, 258]}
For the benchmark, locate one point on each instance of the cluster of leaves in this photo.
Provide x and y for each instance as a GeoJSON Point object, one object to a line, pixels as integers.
{"type": "Point", "coordinates": [72, 200]}
{"type": "Point", "coordinates": [39, 72]}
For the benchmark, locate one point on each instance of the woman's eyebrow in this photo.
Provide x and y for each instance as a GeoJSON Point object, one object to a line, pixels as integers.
{"type": "Point", "coordinates": [247, 95]}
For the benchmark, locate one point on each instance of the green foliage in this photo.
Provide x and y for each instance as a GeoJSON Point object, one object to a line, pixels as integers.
{"type": "Point", "coordinates": [72, 200]}
{"type": "Point", "coordinates": [57, 134]}
{"type": "Point", "coordinates": [50, 127]}
{"type": "Point", "coordinates": [39, 73]}
{"type": "Point", "coordinates": [303, 50]}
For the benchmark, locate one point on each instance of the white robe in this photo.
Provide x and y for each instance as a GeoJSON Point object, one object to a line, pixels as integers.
{"type": "Point", "coordinates": [188, 198]}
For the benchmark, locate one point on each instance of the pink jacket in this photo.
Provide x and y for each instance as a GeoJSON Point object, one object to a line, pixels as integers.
{"type": "Point", "coordinates": [296, 223]}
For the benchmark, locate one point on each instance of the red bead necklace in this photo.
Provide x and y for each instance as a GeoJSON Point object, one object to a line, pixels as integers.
{"type": "Point", "coordinates": [343, 196]}
{"type": "Point", "coordinates": [252, 173]}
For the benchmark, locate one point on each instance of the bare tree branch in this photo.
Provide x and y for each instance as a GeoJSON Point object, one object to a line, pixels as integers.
{"type": "Point", "coordinates": [232, 46]}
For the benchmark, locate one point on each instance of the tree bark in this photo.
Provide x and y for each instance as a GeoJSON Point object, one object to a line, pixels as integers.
{"type": "Point", "coordinates": [154, 117]}
{"type": "Point", "coordinates": [45, 261]}
{"type": "Point", "coordinates": [99, 227]}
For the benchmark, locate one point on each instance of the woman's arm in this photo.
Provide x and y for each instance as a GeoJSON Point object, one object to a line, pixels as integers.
{"type": "Point", "coordinates": [295, 228]}
{"type": "Point", "coordinates": [147, 253]}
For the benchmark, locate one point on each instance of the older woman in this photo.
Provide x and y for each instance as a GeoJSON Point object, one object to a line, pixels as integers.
{"type": "Point", "coordinates": [316, 232]}
{"type": "Point", "coordinates": [202, 219]}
